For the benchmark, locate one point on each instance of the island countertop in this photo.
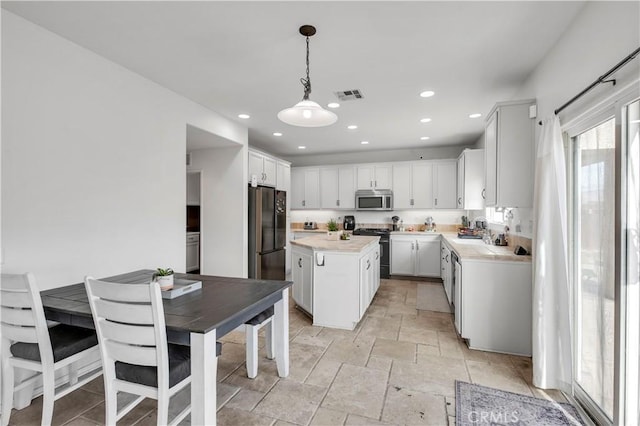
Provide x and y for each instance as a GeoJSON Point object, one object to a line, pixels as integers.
{"type": "Point", "coordinates": [355, 244]}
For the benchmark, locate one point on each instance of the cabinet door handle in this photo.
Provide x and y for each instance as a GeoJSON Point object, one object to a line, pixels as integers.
{"type": "Point", "coordinates": [303, 203]}
{"type": "Point", "coordinates": [417, 246]}
{"type": "Point", "coordinates": [300, 262]}
{"type": "Point", "coordinates": [447, 259]}
{"type": "Point", "coordinates": [413, 246]}
{"type": "Point", "coordinates": [483, 193]}
{"type": "Point", "coordinates": [459, 200]}
{"type": "Point", "coordinates": [411, 202]}
{"type": "Point", "coordinates": [368, 264]}
{"type": "Point", "coordinates": [377, 255]}
{"type": "Point", "coordinates": [436, 200]}
{"type": "Point", "coordinates": [371, 184]}
{"type": "Point", "coordinates": [375, 183]}
{"type": "Point", "coordinates": [338, 203]}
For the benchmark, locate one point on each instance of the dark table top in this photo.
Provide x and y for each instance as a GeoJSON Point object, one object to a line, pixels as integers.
{"type": "Point", "coordinates": [222, 303]}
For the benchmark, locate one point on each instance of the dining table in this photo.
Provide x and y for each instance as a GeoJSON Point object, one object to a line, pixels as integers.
{"type": "Point", "coordinates": [196, 319]}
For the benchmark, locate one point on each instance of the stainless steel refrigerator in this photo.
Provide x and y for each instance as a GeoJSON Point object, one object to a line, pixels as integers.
{"type": "Point", "coordinates": [267, 233]}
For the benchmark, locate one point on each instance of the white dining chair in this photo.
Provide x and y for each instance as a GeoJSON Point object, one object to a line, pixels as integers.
{"type": "Point", "coordinates": [252, 327]}
{"type": "Point", "coordinates": [29, 344]}
{"type": "Point", "coordinates": [136, 357]}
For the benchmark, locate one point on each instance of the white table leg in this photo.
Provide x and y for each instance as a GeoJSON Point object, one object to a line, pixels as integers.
{"type": "Point", "coordinates": [281, 326]}
{"type": "Point", "coordinates": [204, 365]}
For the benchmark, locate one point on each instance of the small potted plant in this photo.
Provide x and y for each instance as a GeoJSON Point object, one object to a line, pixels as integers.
{"type": "Point", "coordinates": [332, 230]}
{"type": "Point", "coordinates": [164, 277]}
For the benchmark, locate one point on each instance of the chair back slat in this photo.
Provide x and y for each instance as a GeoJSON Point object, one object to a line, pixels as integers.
{"type": "Point", "coordinates": [128, 334]}
{"type": "Point", "coordinates": [126, 313]}
{"type": "Point", "coordinates": [21, 317]}
{"type": "Point", "coordinates": [129, 293]}
{"type": "Point", "coordinates": [138, 355]}
{"type": "Point", "coordinates": [15, 299]}
{"type": "Point", "coordinates": [19, 334]}
{"type": "Point", "coordinates": [130, 325]}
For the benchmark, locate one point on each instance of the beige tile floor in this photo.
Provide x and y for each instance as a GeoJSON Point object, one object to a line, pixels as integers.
{"type": "Point", "coordinates": [397, 367]}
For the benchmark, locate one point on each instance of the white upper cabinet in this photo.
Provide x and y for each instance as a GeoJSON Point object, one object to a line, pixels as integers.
{"type": "Point", "coordinates": [329, 198]}
{"type": "Point", "coordinates": [263, 168]}
{"type": "Point", "coordinates": [424, 185]}
{"type": "Point", "coordinates": [470, 179]}
{"type": "Point", "coordinates": [347, 187]}
{"type": "Point", "coordinates": [374, 176]}
{"type": "Point", "coordinates": [509, 155]}
{"type": "Point", "coordinates": [337, 187]}
{"type": "Point", "coordinates": [413, 185]}
{"type": "Point", "coordinates": [283, 176]}
{"type": "Point", "coordinates": [445, 186]}
{"type": "Point", "coordinates": [305, 188]}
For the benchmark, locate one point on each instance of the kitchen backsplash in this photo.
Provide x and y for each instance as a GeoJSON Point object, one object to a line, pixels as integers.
{"type": "Point", "coordinates": [367, 219]}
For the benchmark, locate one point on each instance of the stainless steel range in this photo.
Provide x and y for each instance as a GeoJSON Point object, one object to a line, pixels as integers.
{"type": "Point", "coordinates": [385, 253]}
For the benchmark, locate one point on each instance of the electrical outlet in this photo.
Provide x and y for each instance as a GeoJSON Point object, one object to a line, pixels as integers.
{"type": "Point", "coordinates": [519, 227]}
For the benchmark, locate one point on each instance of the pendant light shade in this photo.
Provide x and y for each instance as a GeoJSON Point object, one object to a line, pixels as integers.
{"type": "Point", "coordinates": [307, 113]}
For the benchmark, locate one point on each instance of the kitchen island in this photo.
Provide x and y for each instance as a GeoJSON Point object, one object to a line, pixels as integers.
{"type": "Point", "coordinates": [334, 281]}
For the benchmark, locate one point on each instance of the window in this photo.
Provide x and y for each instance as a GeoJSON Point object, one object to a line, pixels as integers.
{"type": "Point", "coordinates": [605, 259]}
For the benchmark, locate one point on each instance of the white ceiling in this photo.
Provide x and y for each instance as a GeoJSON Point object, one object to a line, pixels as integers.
{"type": "Point", "coordinates": [248, 57]}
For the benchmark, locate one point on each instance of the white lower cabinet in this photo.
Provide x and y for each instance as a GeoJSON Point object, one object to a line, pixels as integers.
{"type": "Point", "coordinates": [336, 287]}
{"type": "Point", "coordinates": [445, 269]}
{"type": "Point", "coordinates": [415, 255]}
{"type": "Point", "coordinates": [494, 308]}
{"type": "Point", "coordinates": [301, 273]}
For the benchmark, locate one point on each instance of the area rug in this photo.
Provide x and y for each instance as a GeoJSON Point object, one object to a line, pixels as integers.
{"type": "Point", "coordinates": [431, 297]}
{"type": "Point", "coordinates": [479, 405]}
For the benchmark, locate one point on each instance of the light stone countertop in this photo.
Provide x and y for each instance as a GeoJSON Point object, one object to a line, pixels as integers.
{"type": "Point", "coordinates": [355, 244]}
{"type": "Point", "coordinates": [476, 249]}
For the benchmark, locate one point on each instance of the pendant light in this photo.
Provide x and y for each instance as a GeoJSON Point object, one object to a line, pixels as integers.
{"type": "Point", "coordinates": [307, 113]}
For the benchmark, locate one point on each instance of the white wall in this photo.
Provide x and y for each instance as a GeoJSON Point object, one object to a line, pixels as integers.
{"type": "Point", "coordinates": [223, 227]}
{"type": "Point", "coordinates": [435, 153]}
{"type": "Point", "coordinates": [93, 162]}
{"type": "Point", "coordinates": [602, 34]}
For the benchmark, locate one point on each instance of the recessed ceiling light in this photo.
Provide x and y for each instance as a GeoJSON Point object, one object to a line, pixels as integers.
{"type": "Point", "coordinates": [244, 116]}
{"type": "Point", "coordinates": [425, 120]}
{"type": "Point", "coordinates": [364, 143]}
{"type": "Point", "coordinates": [427, 93]}
{"type": "Point", "coordinates": [475, 115]}
{"type": "Point", "coordinates": [277, 134]}
{"type": "Point", "coordinates": [424, 138]}
{"type": "Point", "coordinates": [352, 127]}
{"type": "Point", "coordinates": [333, 105]}
{"type": "Point", "coordinates": [302, 147]}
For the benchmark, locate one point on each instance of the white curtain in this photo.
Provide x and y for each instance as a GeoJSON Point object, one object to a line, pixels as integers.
{"type": "Point", "coordinates": [552, 357]}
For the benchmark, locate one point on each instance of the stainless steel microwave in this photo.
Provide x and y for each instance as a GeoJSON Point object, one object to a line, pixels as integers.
{"type": "Point", "coordinates": [374, 199]}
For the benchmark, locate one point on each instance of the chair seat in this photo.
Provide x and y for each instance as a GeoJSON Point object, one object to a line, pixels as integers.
{"type": "Point", "coordinates": [179, 367]}
{"type": "Point", "coordinates": [261, 317]}
{"type": "Point", "coordinates": [66, 340]}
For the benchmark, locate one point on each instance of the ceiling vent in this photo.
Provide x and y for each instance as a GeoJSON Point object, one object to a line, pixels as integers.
{"type": "Point", "coordinates": [349, 95]}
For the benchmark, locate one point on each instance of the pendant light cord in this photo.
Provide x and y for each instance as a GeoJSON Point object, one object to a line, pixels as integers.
{"type": "Point", "coordinates": [306, 83]}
